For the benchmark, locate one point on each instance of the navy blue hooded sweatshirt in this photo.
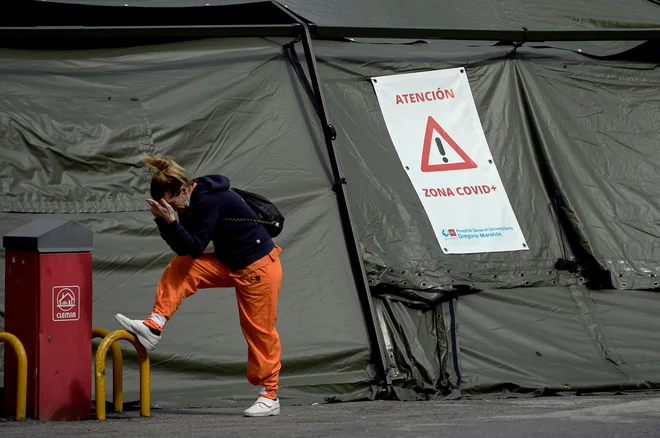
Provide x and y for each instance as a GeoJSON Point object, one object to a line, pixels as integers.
{"type": "Point", "coordinates": [237, 244]}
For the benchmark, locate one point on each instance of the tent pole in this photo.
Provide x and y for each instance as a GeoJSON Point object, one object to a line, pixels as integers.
{"type": "Point", "coordinates": [350, 235]}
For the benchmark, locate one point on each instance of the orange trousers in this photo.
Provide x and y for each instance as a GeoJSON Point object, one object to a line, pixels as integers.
{"type": "Point", "coordinates": [257, 291]}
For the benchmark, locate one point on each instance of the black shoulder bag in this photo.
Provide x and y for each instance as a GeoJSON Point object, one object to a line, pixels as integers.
{"type": "Point", "coordinates": [269, 216]}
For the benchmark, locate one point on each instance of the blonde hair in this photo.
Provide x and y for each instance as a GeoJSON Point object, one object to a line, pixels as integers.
{"type": "Point", "coordinates": [167, 176]}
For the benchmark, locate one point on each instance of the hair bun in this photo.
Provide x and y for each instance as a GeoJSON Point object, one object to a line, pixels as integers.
{"type": "Point", "coordinates": [167, 175]}
{"type": "Point", "coordinates": [158, 164]}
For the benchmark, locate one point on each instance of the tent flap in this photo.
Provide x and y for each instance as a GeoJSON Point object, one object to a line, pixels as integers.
{"type": "Point", "coordinates": [417, 344]}
{"type": "Point", "coordinates": [594, 132]}
{"type": "Point", "coordinates": [556, 339]}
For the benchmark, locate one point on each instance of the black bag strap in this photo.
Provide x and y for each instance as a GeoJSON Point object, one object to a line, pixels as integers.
{"type": "Point", "coordinates": [242, 219]}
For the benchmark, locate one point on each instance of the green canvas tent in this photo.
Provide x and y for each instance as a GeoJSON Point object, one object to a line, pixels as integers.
{"type": "Point", "coordinates": [278, 98]}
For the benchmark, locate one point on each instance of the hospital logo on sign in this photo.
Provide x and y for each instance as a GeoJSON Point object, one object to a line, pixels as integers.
{"type": "Point", "coordinates": [449, 233]}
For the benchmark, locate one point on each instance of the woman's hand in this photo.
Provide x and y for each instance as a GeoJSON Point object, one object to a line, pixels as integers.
{"type": "Point", "coordinates": [162, 209]}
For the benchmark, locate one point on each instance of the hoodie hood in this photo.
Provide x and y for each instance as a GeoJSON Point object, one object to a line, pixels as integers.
{"type": "Point", "coordinates": [214, 183]}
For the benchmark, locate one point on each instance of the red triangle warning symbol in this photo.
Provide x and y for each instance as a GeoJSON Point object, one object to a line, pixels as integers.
{"type": "Point", "coordinates": [429, 140]}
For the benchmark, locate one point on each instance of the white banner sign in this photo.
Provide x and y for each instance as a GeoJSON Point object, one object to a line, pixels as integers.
{"type": "Point", "coordinates": [435, 128]}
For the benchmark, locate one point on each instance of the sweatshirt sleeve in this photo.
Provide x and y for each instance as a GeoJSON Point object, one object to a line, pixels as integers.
{"type": "Point", "coordinates": [201, 225]}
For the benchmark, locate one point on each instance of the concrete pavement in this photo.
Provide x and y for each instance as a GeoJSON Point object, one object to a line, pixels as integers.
{"type": "Point", "coordinates": [621, 416]}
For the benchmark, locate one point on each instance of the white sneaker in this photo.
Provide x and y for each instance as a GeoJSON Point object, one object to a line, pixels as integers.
{"type": "Point", "coordinates": [263, 407]}
{"type": "Point", "coordinates": [139, 330]}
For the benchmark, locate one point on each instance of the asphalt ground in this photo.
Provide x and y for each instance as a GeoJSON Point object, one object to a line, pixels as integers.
{"type": "Point", "coordinates": [620, 416]}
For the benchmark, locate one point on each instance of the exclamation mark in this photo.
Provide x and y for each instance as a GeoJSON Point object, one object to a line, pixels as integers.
{"type": "Point", "coordinates": [441, 149]}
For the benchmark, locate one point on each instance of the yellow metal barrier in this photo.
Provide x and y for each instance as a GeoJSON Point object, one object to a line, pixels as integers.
{"type": "Point", "coordinates": [117, 369]}
{"type": "Point", "coordinates": [99, 366]}
{"type": "Point", "coordinates": [21, 387]}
